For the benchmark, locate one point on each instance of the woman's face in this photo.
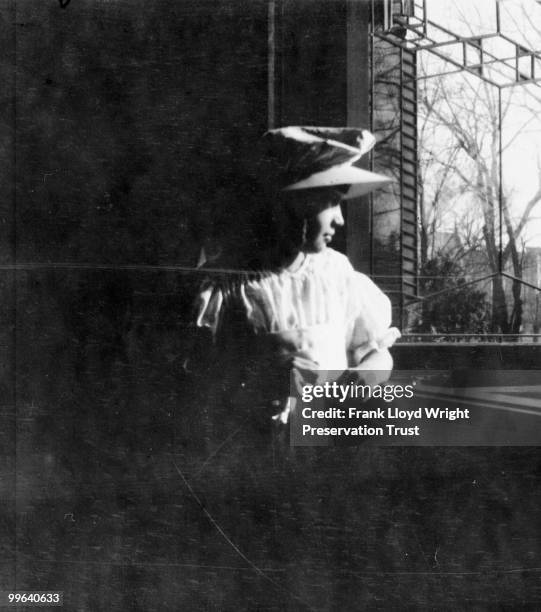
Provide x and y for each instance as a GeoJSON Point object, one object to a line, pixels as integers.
{"type": "Point", "coordinates": [307, 220]}
{"type": "Point", "coordinates": [321, 228]}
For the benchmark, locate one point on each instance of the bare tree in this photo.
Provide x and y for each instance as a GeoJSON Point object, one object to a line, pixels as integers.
{"type": "Point", "coordinates": [459, 158]}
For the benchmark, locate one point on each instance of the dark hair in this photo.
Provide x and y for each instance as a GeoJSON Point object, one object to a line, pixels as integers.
{"type": "Point", "coordinates": [306, 203]}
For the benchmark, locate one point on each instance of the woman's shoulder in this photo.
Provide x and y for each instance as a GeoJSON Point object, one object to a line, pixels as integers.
{"type": "Point", "coordinates": [338, 265]}
{"type": "Point", "coordinates": [333, 261]}
{"type": "Point", "coordinates": [368, 290]}
{"type": "Point", "coordinates": [217, 290]}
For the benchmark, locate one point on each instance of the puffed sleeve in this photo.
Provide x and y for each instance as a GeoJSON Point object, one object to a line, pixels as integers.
{"type": "Point", "coordinates": [370, 318]}
{"type": "Point", "coordinates": [209, 307]}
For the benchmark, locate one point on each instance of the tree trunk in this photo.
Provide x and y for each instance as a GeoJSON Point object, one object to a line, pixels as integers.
{"type": "Point", "coordinates": [500, 323]}
{"type": "Point", "coordinates": [516, 315]}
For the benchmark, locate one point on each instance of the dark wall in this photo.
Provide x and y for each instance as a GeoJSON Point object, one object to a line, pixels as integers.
{"type": "Point", "coordinates": [128, 127]}
{"type": "Point", "coordinates": [312, 62]}
{"type": "Point", "coordinates": [133, 119]}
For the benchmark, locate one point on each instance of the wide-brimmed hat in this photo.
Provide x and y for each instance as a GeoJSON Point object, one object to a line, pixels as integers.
{"type": "Point", "coordinates": [304, 157]}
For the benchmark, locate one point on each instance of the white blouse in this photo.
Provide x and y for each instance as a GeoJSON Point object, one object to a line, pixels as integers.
{"type": "Point", "coordinates": [325, 309]}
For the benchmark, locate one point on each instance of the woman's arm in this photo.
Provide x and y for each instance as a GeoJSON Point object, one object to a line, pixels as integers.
{"type": "Point", "coordinates": [374, 369]}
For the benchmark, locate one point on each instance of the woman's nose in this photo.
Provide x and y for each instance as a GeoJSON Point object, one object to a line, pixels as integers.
{"type": "Point", "coordinates": [338, 217]}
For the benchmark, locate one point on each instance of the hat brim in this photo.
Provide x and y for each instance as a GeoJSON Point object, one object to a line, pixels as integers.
{"type": "Point", "coordinates": [361, 181]}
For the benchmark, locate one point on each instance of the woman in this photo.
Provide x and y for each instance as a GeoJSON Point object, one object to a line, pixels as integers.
{"type": "Point", "coordinates": [305, 308]}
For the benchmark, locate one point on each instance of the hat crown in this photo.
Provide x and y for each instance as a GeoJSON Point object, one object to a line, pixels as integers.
{"type": "Point", "coordinates": [297, 152]}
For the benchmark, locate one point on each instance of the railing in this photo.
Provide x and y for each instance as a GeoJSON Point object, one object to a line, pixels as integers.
{"type": "Point", "coordinates": [470, 338]}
